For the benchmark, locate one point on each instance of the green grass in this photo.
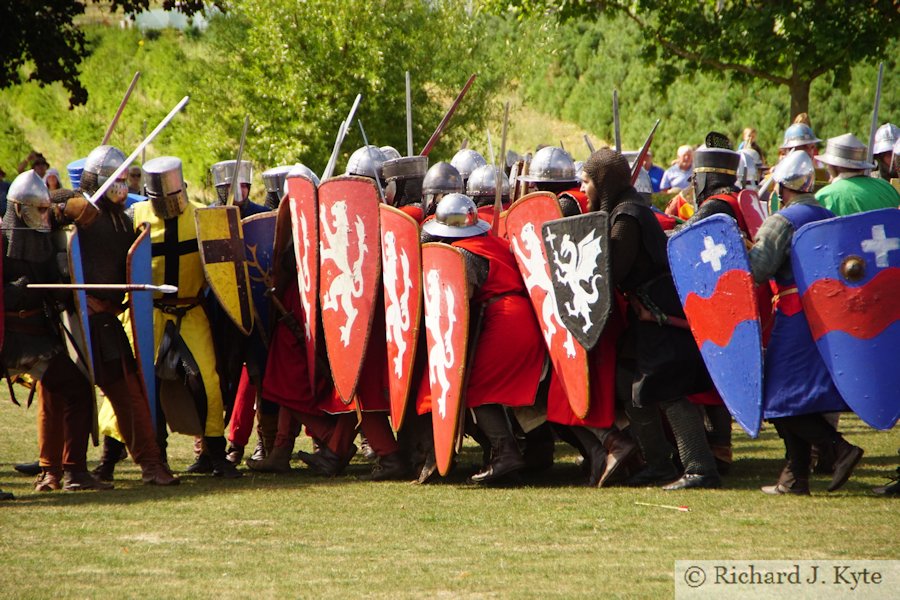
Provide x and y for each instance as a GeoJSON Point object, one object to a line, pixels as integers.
{"type": "Point", "coordinates": [301, 536]}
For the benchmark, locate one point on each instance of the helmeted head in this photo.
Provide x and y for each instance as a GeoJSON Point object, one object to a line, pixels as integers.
{"type": "Point", "coordinates": [799, 135]}
{"type": "Point", "coordinates": [52, 180]}
{"type": "Point", "coordinates": [482, 185]}
{"type": "Point", "coordinates": [403, 178]}
{"type": "Point", "coordinates": [642, 184]}
{"type": "Point", "coordinates": [223, 174]}
{"type": "Point", "coordinates": [366, 162]}
{"type": "Point", "coordinates": [441, 179]}
{"type": "Point", "coordinates": [466, 161]}
{"type": "Point", "coordinates": [715, 166]}
{"type": "Point", "coordinates": [456, 217]}
{"type": "Point", "coordinates": [606, 179]}
{"type": "Point", "coordinates": [845, 152]}
{"type": "Point", "coordinates": [550, 165]}
{"type": "Point", "coordinates": [274, 179]}
{"type": "Point", "coordinates": [30, 199]}
{"type": "Point", "coordinates": [795, 172]}
{"type": "Point", "coordinates": [99, 166]}
{"type": "Point", "coordinates": [390, 153]}
{"type": "Point", "coordinates": [164, 186]}
{"type": "Point", "coordinates": [301, 170]}
{"type": "Point", "coordinates": [885, 137]}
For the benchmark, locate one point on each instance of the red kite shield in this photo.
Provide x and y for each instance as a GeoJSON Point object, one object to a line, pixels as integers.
{"type": "Point", "coordinates": [754, 211]}
{"type": "Point", "coordinates": [349, 267]}
{"type": "Point", "coordinates": [569, 358]}
{"type": "Point", "coordinates": [304, 207]}
{"type": "Point", "coordinates": [402, 277]}
{"type": "Point", "coordinates": [446, 331]}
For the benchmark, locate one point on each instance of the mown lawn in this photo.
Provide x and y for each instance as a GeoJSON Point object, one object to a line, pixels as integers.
{"type": "Point", "coordinates": [300, 536]}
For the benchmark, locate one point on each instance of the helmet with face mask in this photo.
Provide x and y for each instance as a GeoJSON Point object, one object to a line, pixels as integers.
{"type": "Point", "coordinates": [273, 179]}
{"type": "Point", "coordinates": [164, 185]}
{"type": "Point", "coordinates": [223, 173]}
{"type": "Point", "coordinates": [99, 166]}
{"type": "Point", "coordinates": [31, 197]}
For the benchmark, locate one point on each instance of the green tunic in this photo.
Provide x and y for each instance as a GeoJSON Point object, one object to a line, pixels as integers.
{"type": "Point", "coordinates": [852, 195]}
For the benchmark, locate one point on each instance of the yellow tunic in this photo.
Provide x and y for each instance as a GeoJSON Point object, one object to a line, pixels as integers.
{"type": "Point", "coordinates": [195, 328]}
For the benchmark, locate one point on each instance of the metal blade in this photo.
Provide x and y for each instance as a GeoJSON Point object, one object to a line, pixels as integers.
{"type": "Point", "coordinates": [115, 119]}
{"type": "Point", "coordinates": [236, 194]}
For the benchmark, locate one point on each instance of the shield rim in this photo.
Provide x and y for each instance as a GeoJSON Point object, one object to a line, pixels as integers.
{"type": "Point", "coordinates": [148, 381]}
{"type": "Point", "coordinates": [76, 275]}
{"type": "Point", "coordinates": [444, 462]}
{"type": "Point", "coordinates": [415, 324]}
{"type": "Point", "coordinates": [365, 342]}
{"type": "Point", "coordinates": [312, 319]}
{"type": "Point", "coordinates": [260, 325]}
{"type": "Point", "coordinates": [197, 218]}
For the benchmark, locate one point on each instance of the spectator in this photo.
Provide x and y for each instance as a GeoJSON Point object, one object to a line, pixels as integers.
{"type": "Point", "coordinates": [655, 171]}
{"type": "Point", "coordinates": [51, 180]}
{"type": "Point", "coordinates": [134, 180]}
{"type": "Point", "coordinates": [749, 142]}
{"type": "Point", "coordinates": [38, 163]}
{"type": "Point", "coordinates": [678, 176]}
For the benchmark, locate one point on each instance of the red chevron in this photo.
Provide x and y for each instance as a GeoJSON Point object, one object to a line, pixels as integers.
{"type": "Point", "coordinates": [714, 319]}
{"type": "Point", "coordinates": [862, 312]}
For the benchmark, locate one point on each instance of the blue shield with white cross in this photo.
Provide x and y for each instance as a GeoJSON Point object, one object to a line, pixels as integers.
{"type": "Point", "coordinates": [712, 274]}
{"type": "Point", "coordinates": [848, 276]}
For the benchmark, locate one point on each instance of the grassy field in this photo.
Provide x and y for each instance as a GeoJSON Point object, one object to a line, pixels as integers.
{"type": "Point", "coordinates": [300, 536]}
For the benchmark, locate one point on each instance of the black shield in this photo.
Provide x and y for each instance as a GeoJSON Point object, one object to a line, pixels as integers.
{"type": "Point", "coordinates": [578, 253]}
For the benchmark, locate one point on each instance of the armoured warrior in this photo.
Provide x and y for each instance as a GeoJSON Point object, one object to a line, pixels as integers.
{"type": "Point", "coordinates": [553, 170]}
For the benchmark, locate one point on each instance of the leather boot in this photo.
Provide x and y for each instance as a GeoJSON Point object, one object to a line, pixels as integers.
{"type": "Point", "coordinates": [259, 452]}
{"type": "Point", "coordinates": [594, 454]}
{"type": "Point", "coordinates": [202, 464]}
{"type": "Point", "coordinates": [539, 448]}
{"type": "Point", "coordinates": [234, 454]}
{"type": "Point", "coordinates": [32, 469]}
{"type": "Point", "coordinates": [620, 449]}
{"type": "Point", "coordinates": [49, 480]}
{"type": "Point", "coordinates": [392, 466]}
{"type": "Point", "coordinates": [325, 462]}
{"type": "Point", "coordinates": [267, 429]}
{"type": "Point", "coordinates": [846, 457]}
{"type": "Point", "coordinates": [157, 474]}
{"type": "Point", "coordinates": [77, 481]}
{"type": "Point", "coordinates": [113, 452]}
{"type": "Point", "coordinates": [6, 495]}
{"type": "Point", "coordinates": [277, 461]}
{"type": "Point", "coordinates": [215, 450]}
{"type": "Point", "coordinates": [646, 424]}
{"type": "Point", "coordinates": [788, 483]}
{"type": "Point", "coordinates": [505, 455]}
{"type": "Point", "coordinates": [724, 457]}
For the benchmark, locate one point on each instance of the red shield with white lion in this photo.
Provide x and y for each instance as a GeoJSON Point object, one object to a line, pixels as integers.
{"type": "Point", "coordinates": [349, 268]}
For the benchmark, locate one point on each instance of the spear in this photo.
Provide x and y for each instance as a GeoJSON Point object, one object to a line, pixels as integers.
{"type": "Point", "coordinates": [616, 129]}
{"type": "Point", "coordinates": [342, 133]}
{"type": "Point", "coordinates": [500, 172]}
{"type": "Point", "coordinates": [639, 161]}
{"type": "Point", "coordinates": [115, 119]}
{"type": "Point", "coordinates": [123, 287]}
{"type": "Point", "coordinates": [371, 158]}
{"type": "Point", "coordinates": [874, 126]}
{"type": "Point", "coordinates": [409, 140]}
{"type": "Point", "coordinates": [236, 194]}
{"type": "Point", "coordinates": [587, 141]}
{"type": "Point", "coordinates": [443, 124]}
{"type": "Point", "coordinates": [127, 163]}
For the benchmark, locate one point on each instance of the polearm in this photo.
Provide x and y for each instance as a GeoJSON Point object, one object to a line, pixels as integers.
{"type": "Point", "coordinates": [409, 140]}
{"type": "Point", "coordinates": [372, 159]}
{"type": "Point", "coordinates": [115, 119]}
{"type": "Point", "coordinates": [122, 287]}
{"type": "Point", "coordinates": [236, 195]}
{"type": "Point", "coordinates": [643, 154]}
{"type": "Point", "coordinates": [870, 152]}
{"type": "Point", "coordinates": [342, 133]}
{"type": "Point", "coordinates": [500, 172]}
{"type": "Point", "coordinates": [143, 135]}
{"type": "Point", "coordinates": [127, 163]}
{"type": "Point", "coordinates": [616, 129]}
{"type": "Point", "coordinates": [443, 124]}
{"type": "Point", "coordinates": [587, 141]}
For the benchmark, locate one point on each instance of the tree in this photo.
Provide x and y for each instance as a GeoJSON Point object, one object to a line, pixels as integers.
{"type": "Point", "coordinates": [787, 42]}
{"type": "Point", "coordinates": [41, 41]}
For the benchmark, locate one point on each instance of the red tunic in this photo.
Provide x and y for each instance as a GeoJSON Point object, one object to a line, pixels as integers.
{"type": "Point", "coordinates": [579, 197]}
{"type": "Point", "coordinates": [414, 211]}
{"type": "Point", "coordinates": [510, 353]}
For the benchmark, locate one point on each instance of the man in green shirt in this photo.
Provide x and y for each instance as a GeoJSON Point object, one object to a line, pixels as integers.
{"type": "Point", "coordinates": [851, 189]}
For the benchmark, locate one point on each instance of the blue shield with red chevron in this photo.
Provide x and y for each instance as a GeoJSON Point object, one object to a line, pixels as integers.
{"type": "Point", "coordinates": [848, 276]}
{"type": "Point", "coordinates": [712, 274]}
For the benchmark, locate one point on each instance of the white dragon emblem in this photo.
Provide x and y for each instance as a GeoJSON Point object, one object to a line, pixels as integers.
{"type": "Point", "coordinates": [396, 310]}
{"type": "Point", "coordinates": [538, 276]}
{"type": "Point", "coordinates": [577, 271]}
{"type": "Point", "coordinates": [440, 356]}
{"type": "Point", "coordinates": [303, 267]}
{"type": "Point", "coordinates": [348, 283]}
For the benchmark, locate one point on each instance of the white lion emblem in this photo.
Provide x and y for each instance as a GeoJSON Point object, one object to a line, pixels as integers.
{"type": "Point", "coordinates": [348, 284]}
{"type": "Point", "coordinates": [396, 310]}
{"type": "Point", "coordinates": [303, 267]}
{"type": "Point", "coordinates": [440, 356]}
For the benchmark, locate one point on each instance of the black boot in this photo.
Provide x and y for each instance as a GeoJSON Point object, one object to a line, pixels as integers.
{"type": "Point", "coordinates": [202, 464]}
{"type": "Point", "coordinates": [325, 462]}
{"type": "Point", "coordinates": [505, 455]}
{"type": "Point", "coordinates": [393, 466]}
{"type": "Point", "coordinates": [113, 452]}
{"type": "Point", "coordinates": [31, 469]}
{"type": "Point", "coordinates": [646, 425]}
{"type": "Point", "coordinates": [221, 466]}
{"type": "Point", "coordinates": [846, 457]}
{"type": "Point", "coordinates": [700, 469]}
{"type": "Point", "coordinates": [594, 454]}
{"type": "Point", "coordinates": [539, 448]}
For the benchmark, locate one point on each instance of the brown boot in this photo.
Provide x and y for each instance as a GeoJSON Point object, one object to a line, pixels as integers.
{"type": "Point", "coordinates": [724, 457]}
{"type": "Point", "coordinates": [846, 457]}
{"type": "Point", "coordinates": [158, 474]}
{"type": "Point", "coordinates": [235, 454]}
{"type": "Point", "coordinates": [77, 481]}
{"type": "Point", "coordinates": [267, 429]}
{"type": "Point", "coordinates": [620, 448]}
{"type": "Point", "coordinates": [788, 483]}
{"type": "Point", "coordinates": [278, 461]}
{"type": "Point", "coordinates": [48, 480]}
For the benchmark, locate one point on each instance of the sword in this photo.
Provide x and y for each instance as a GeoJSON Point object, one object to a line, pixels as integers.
{"type": "Point", "coordinates": [374, 169]}
{"type": "Point", "coordinates": [127, 163]}
{"type": "Point", "coordinates": [443, 124]}
{"type": "Point", "coordinates": [235, 182]}
{"type": "Point", "coordinates": [124, 287]}
{"type": "Point", "coordinates": [616, 128]}
{"type": "Point", "coordinates": [286, 316]}
{"type": "Point", "coordinates": [587, 141]}
{"type": "Point", "coordinates": [342, 133]}
{"type": "Point", "coordinates": [498, 202]}
{"type": "Point", "coordinates": [874, 126]}
{"type": "Point", "coordinates": [409, 140]}
{"type": "Point", "coordinates": [643, 154]}
{"type": "Point", "coordinates": [115, 119]}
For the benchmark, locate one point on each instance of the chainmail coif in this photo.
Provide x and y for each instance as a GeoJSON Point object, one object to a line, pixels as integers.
{"type": "Point", "coordinates": [612, 178]}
